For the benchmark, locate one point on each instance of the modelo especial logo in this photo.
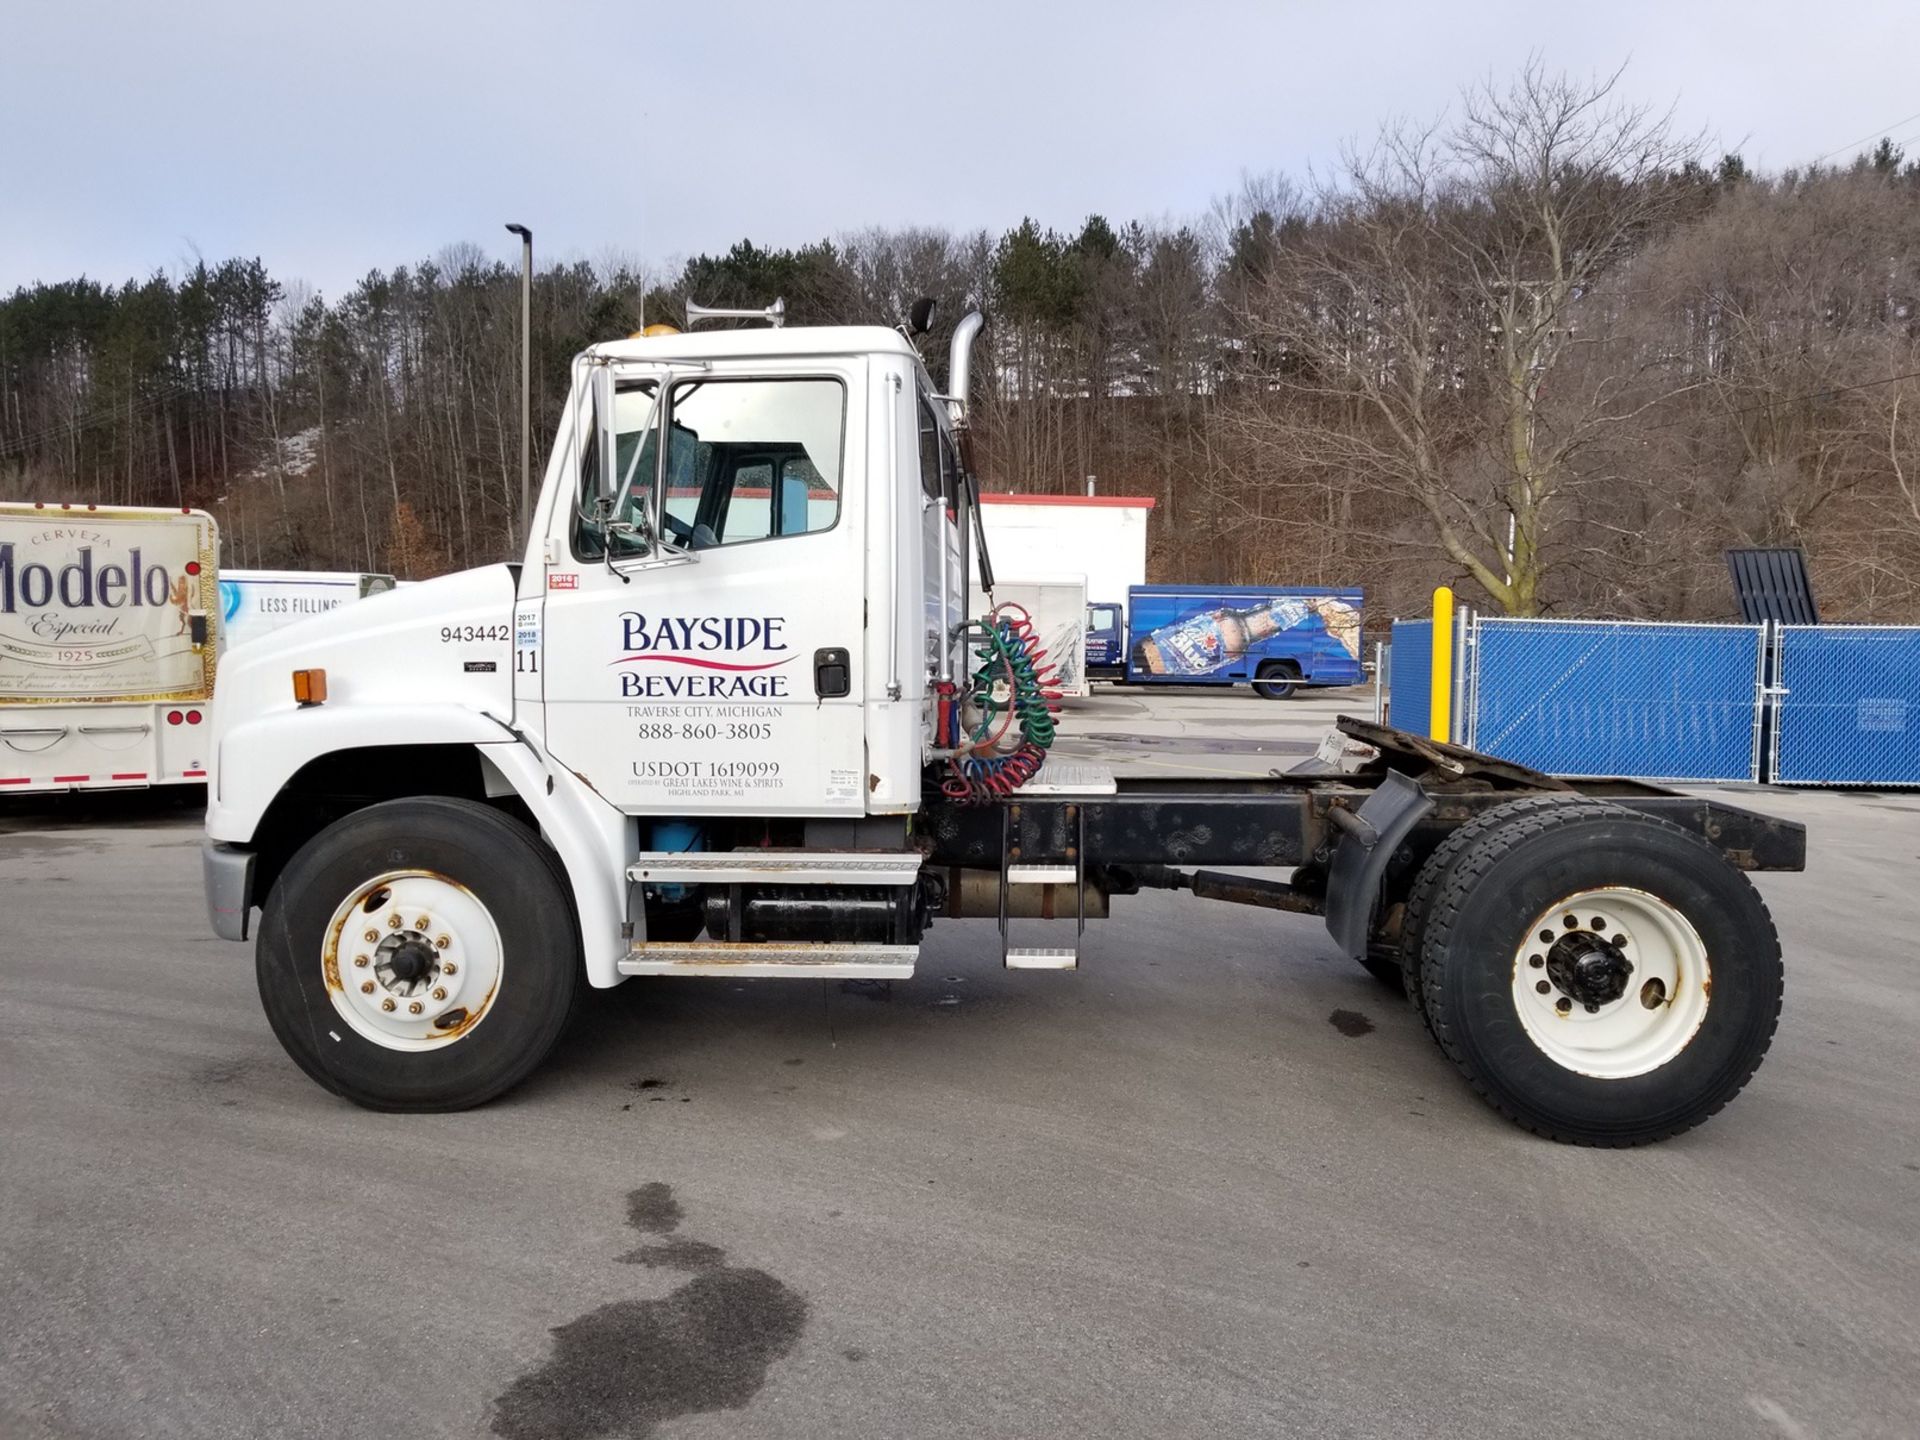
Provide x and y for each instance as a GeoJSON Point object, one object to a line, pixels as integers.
{"type": "Point", "coordinates": [80, 584]}
{"type": "Point", "coordinates": [707, 657]}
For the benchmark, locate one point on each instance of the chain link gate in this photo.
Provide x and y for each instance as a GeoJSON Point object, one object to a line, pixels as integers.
{"type": "Point", "coordinates": [1848, 705]}
{"type": "Point", "coordinates": [1591, 698]}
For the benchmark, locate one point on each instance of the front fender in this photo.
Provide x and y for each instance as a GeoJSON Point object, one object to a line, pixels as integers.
{"type": "Point", "coordinates": [258, 757]}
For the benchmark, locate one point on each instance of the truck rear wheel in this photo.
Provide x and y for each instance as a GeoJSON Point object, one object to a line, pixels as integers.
{"type": "Point", "coordinates": [1432, 877]}
{"type": "Point", "coordinates": [419, 955]}
{"type": "Point", "coordinates": [1276, 679]}
{"type": "Point", "coordinates": [1600, 976]}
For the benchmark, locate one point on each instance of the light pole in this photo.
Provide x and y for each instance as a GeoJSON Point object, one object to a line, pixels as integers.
{"type": "Point", "coordinates": [526, 378]}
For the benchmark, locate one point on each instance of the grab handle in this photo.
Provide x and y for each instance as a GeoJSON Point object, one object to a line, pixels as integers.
{"type": "Point", "coordinates": [58, 732]}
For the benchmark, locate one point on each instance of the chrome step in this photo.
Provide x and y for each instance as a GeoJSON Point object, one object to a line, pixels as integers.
{"type": "Point", "coordinates": [1031, 957]}
{"type": "Point", "coordinates": [1072, 777]}
{"type": "Point", "coordinates": [1042, 875]}
{"type": "Point", "coordinates": [775, 867]}
{"type": "Point", "coordinates": [772, 962]}
{"type": "Point", "coordinates": [1069, 877]}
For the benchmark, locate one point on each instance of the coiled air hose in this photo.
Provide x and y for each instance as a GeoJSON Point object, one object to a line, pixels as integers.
{"type": "Point", "coordinates": [1014, 657]}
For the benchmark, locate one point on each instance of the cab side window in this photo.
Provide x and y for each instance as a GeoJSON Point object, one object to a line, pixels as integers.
{"type": "Point", "coordinates": [929, 450]}
{"type": "Point", "coordinates": [939, 470]}
{"type": "Point", "coordinates": [747, 460]}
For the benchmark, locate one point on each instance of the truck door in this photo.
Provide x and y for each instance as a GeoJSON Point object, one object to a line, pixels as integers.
{"type": "Point", "coordinates": [719, 673]}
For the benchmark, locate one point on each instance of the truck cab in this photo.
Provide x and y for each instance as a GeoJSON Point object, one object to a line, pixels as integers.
{"type": "Point", "coordinates": [743, 585]}
{"type": "Point", "coordinates": [1106, 639]}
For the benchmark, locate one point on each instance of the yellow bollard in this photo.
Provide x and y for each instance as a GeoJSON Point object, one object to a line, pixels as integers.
{"type": "Point", "coordinates": [1440, 720]}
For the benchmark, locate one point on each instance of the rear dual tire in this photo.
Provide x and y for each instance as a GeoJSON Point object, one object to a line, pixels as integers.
{"type": "Point", "coordinates": [1600, 976]}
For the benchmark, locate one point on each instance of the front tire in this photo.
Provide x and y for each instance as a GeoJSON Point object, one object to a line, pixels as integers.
{"type": "Point", "coordinates": [1600, 976]}
{"type": "Point", "coordinates": [419, 955]}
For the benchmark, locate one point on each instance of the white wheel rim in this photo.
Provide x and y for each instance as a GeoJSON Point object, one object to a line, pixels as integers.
{"type": "Point", "coordinates": [1566, 969]}
{"type": "Point", "coordinates": [412, 960]}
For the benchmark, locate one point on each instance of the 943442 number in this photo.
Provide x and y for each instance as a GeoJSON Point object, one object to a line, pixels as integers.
{"type": "Point", "coordinates": [459, 634]}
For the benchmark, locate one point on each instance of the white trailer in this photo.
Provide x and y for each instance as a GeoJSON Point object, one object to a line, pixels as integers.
{"type": "Point", "coordinates": [258, 602]}
{"type": "Point", "coordinates": [108, 644]}
{"type": "Point", "coordinates": [1102, 538]}
{"type": "Point", "coordinates": [1057, 609]}
{"type": "Point", "coordinates": [685, 737]}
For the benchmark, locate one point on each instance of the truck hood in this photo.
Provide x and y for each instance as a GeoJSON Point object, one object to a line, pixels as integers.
{"type": "Point", "coordinates": [447, 641]}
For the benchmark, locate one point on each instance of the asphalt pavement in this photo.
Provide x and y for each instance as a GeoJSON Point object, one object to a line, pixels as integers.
{"type": "Point", "coordinates": [1217, 1183]}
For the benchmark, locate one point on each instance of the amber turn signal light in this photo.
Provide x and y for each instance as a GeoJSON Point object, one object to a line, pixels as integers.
{"type": "Point", "coordinates": [310, 687]}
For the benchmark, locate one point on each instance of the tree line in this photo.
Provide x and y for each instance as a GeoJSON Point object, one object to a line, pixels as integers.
{"type": "Point", "coordinates": [1537, 348]}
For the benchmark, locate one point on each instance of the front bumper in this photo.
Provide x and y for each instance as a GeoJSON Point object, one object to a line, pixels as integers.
{"type": "Point", "coordinates": [227, 871]}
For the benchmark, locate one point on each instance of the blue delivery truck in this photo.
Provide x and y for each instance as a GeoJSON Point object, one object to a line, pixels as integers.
{"type": "Point", "coordinates": [1273, 639]}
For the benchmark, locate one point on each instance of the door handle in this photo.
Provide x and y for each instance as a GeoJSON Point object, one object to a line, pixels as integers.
{"type": "Point", "coordinates": [832, 672]}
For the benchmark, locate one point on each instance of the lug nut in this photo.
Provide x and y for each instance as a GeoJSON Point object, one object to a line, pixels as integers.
{"type": "Point", "coordinates": [1536, 961]}
{"type": "Point", "coordinates": [1592, 1009]}
{"type": "Point", "coordinates": [1599, 926]}
{"type": "Point", "coordinates": [386, 1004]}
{"type": "Point", "coordinates": [372, 937]}
{"type": "Point", "coordinates": [1542, 986]}
{"type": "Point", "coordinates": [366, 987]}
{"type": "Point", "coordinates": [449, 968]}
{"type": "Point", "coordinates": [421, 923]}
{"type": "Point", "coordinates": [1619, 940]}
{"type": "Point", "coordinates": [1563, 1005]}
{"type": "Point", "coordinates": [439, 992]}
{"type": "Point", "coordinates": [393, 922]}
{"type": "Point", "coordinates": [415, 1008]}
{"type": "Point", "coordinates": [443, 942]}
{"type": "Point", "coordinates": [359, 962]}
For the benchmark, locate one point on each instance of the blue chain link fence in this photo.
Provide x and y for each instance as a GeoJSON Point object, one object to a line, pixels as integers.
{"type": "Point", "coordinates": [1611, 697]}
{"type": "Point", "coordinates": [1410, 675]}
{"type": "Point", "coordinates": [1849, 705]}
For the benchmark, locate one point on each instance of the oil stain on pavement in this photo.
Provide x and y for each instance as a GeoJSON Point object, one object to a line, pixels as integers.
{"type": "Point", "coordinates": [621, 1370]}
{"type": "Point", "coordinates": [1350, 1023]}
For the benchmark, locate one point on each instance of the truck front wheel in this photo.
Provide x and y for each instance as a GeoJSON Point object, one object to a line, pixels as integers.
{"type": "Point", "coordinates": [419, 955]}
{"type": "Point", "coordinates": [1601, 976]}
{"type": "Point", "coordinates": [1276, 680]}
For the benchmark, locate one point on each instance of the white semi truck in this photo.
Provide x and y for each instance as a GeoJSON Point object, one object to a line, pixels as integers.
{"type": "Point", "coordinates": [688, 737]}
{"type": "Point", "coordinates": [108, 643]}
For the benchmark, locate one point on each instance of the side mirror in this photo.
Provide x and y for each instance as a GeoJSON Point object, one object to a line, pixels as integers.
{"type": "Point", "coordinates": [606, 441]}
{"type": "Point", "coordinates": [920, 318]}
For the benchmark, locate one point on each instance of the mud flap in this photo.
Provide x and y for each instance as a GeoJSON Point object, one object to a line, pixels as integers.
{"type": "Point", "coordinates": [1372, 835]}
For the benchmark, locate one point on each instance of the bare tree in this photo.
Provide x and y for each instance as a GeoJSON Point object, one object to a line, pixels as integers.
{"type": "Point", "coordinates": [1419, 329]}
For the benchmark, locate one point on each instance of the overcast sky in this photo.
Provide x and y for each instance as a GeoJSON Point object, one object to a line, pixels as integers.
{"type": "Point", "coordinates": [330, 138]}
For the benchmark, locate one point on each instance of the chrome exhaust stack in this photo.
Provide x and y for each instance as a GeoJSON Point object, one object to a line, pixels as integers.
{"type": "Point", "coordinates": [960, 365]}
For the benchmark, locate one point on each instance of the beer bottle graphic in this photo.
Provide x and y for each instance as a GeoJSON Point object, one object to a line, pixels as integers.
{"type": "Point", "coordinates": [1203, 643]}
